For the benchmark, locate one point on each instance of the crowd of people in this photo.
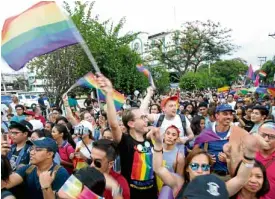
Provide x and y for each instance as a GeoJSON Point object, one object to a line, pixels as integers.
{"type": "Point", "coordinates": [179, 145]}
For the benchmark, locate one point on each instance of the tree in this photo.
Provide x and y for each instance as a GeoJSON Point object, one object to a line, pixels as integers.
{"type": "Point", "coordinates": [269, 69]}
{"type": "Point", "coordinates": [190, 81]}
{"type": "Point", "coordinates": [116, 60]}
{"type": "Point", "coordinates": [161, 78]}
{"type": "Point", "coordinates": [229, 70]}
{"type": "Point", "coordinates": [196, 43]}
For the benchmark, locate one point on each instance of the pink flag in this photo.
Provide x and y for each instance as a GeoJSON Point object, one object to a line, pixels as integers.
{"type": "Point", "coordinates": [257, 81]}
{"type": "Point", "coordinates": [250, 73]}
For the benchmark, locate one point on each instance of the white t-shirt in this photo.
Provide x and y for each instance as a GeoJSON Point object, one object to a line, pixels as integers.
{"type": "Point", "coordinates": [4, 109]}
{"type": "Point", "coordinates": [232, 104]}
{"type": "Point", "coordinates": [83, 148]}
{"type": "Point", "coordinates": [176, 121]}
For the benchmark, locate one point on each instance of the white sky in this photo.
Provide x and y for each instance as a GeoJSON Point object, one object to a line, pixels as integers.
{"type": "Point", "coordinates": [251, 21]}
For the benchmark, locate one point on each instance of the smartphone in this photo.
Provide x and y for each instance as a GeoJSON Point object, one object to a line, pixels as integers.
{"type": "Point", "coordinates": [5, 136]}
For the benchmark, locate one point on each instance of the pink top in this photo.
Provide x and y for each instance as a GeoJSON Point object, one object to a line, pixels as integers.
{"type": "Point", "coordinates": [270, 171]}
{"type": "Point", "coordinates": [64, 151]}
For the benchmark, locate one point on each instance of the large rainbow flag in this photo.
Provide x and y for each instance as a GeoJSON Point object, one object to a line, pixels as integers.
{"type": "Point", "coordinates": [40, 29]}
{"type": "Point", "coordinates": [89, 81]}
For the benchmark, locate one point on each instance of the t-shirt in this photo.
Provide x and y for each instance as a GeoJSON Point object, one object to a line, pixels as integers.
{"type": "Point", "coordinates": [270, 173]}
{"type": "Point", "coordinates": [232, 104]}
{"type": "Point", "coordinates": [248, 124]}
{"type": "Point", "coordinates": [41, 118]}
{"type": "Point", "coordinates": [255, 129]}
{"type": "Point", "coordinates": [122, 183]}
{"type": "Point", "coordinates": [137, 167]}
{"type": "Point", "coordinates": [88, 101]}
{"type": "Point", "coordinates": [18, 118]}
{"type": "Point", "coordinates": [176, 121]}
{"type": "Point", "coordinates": [20, 157]}
{"type": "Point", "coordinates": [64, 151]}
{"type": "Point", "coordinates": [4, 110]}
{"type": "Point", "coordinates": [83, 148]}
{"type": "Point", "coordinates": [36, 124]}
{"type": "Point", "coordinates": [32, 184]}
{"type": "Point", "coordinates": [72, 102]}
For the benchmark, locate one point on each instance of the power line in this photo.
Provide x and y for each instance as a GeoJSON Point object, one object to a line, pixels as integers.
{"type": "Point", "coordinates": [272, 35]}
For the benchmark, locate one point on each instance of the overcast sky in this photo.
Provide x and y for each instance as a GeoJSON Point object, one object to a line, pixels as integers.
{"type": "Point", "coordinates": [251, 21]}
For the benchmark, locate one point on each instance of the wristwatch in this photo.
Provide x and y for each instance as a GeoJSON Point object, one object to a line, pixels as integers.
{"type": "Point", "coordinates": [117, 192]}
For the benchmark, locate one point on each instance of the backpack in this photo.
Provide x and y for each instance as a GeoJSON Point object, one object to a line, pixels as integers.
{"type": "Point", "coordinates": [182, 118]}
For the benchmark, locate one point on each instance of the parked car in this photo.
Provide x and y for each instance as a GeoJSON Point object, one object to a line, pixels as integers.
{"type": "Point", "coordinates": [28, 100]}
{"type": "Point", "coordinates": [6, 99]}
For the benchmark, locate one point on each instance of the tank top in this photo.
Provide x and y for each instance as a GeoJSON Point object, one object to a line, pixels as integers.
{"type": "Point", "coordinates": [169, 158]}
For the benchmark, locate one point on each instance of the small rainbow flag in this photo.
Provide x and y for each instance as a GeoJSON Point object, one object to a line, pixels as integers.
{"type": "Point", "coordinates": [271, 91]}
{"type": "Point", "coordinates": [146, 72]}
{"type": "Point", "coordinates": [74, 189]}
{"type": "Point", "coordinates": [223, 89]}
{"type": "Point", "coordinates": [37, 31]}
{"type": "Point", "coordinates": [262, 73]}
{"type": "Point", "coordinates": [89, 81]}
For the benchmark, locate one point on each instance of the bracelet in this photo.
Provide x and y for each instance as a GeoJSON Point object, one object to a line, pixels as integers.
{"type": "Point", "coordinates": [248, 158]}
{"type": "Point", "coordinates": [158, 151]}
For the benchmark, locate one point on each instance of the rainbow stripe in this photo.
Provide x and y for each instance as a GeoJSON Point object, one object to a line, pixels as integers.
{"type": "Point", "coordinates": [142, 166]}
{"type": "Point", "coordinates": [271, 91]}
{"type": "Point", "coordinates": [74, 189]}
{"type": "Point", "coordinates": [262, 73]}
{"type": "Point", "coordinates": [39, 30]}
{"type": "Point", "coordinates": [146, 72]}
{"type": "Point", "coordinates": [89, 81]}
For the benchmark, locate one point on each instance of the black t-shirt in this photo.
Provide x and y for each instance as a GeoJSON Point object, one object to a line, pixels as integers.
{"type": "Point", "coordinates": [248, 124]}
{"type": "Point", "coordinates": [88, 101]}
{"type": "Point", "coordinates": [137, 167]}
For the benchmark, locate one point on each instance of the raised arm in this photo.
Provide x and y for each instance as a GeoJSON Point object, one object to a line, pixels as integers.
{"type": "Point", "coordinates": [173, 181]}
{"type": "Point", "coordinates": [107, 88]}
{"type": "Point", "coordinates": [146, 101]}
{"type": "Point", "coordinates": [69, 113]}
{"type": "Point", "coordinates": [250, 147]}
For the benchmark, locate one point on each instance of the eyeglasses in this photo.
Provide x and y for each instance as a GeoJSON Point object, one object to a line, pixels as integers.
{"type": "Point", "coordinates": [15, 132]}
{"type": "Point", "coordinates": [270, 137]}
{"type": "Point", "coordinates": [37, 149]}
{"type": "Point", "coordinates": [196, 166]}
{"type": "Point", "coordinates": [143, 117]}
{"type": "Point", "coordinates": [96, 162]}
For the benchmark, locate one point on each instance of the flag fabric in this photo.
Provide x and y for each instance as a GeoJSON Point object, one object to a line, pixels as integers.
{"type": "Point", "coordinates": [74, 188]}
{"type": "Point", "coordinates": [271, 91]}
{"type": "Point", "coordinates": [257, 81]}
{"type": "Point", "coordinates": [262, 73]}
{"type": "Point", "coordinates": [38, 30]}
{"type": "Point", "coordinates": [250, 73]}
{"type": "Point", "coordinates": [89, 81]}
{"type": "Point", "coordinates": [146, 72]}
{"type": "Point", "coordinates": [223, 89]}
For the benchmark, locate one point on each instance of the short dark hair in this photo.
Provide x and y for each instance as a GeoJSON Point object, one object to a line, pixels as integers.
{"type": "Point", "coordinates": [108, 146]}
{"type": "Point", "coordinates": [263, 110]}
{"type": "Point", "coordinates": [203, 104]}
{"type": "Point", "coordinates": [19, 106]}
{"type": "Point", "coordinates": [158, 107]}
{"type": "Point", "coordinates": [58, 109]}
{"type": "Point", "coordinates": [60, 118]}
{"type": "Point", "coordinates": [248, 107]}
{"type": "Point", "coordinates": [6, 169]}
{"type": "Point", "coordinates": [128, 116]}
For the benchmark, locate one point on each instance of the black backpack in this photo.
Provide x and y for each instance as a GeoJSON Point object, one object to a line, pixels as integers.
{"type": "Point", "coordinates": [182, 118]}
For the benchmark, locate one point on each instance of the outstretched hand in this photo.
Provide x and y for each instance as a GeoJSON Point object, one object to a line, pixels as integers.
{"type": "Point", "coordinates": [104, 83]}
{"type": "Point", "coordinates": [156, 137]}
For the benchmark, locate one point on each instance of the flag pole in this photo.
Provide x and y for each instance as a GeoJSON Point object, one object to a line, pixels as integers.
{"type": "Point", "coordinates": [84, 46]}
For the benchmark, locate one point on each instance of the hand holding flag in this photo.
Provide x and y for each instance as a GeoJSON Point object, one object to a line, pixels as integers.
{"type": "Point", "coordinates": [147, 73]}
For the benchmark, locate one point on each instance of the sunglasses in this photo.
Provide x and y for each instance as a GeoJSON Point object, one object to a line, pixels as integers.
{"type": "Point", "coordinates": [270, 137]}
{"type": "Point", "coordinates": [96, 162]}
{"type": "Point", "coordinates": [196, 166]}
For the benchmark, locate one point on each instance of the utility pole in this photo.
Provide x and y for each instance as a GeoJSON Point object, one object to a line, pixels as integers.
{"type": "Point", "coordinates": [262, 60]}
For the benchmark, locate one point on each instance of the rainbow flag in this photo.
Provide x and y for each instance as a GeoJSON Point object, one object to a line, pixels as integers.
{"type": "Point", "coordinates": [142, 166]}
{"type": "Point", "coordinates": [74, 189]}
{"type": "Point", "coordinates": [146, 72]}
{"type": "Point", "coordinates": [271, 91]}
{"type": "Point", "coordinates": [223, 89]}
{"type": "Point", "coordinates": [262, 73]}
{"type": "Point", "coordinates": [89, 81]}
{"type": "Point", "coordinates": [37, 31]}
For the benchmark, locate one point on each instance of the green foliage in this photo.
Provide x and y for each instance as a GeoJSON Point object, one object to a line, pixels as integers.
{"type": "Point", "coordinates": [196, 43]}
{"type": "Point", "coordinates": [269, 68]}
{"type": "Point", "coordinates": [116, 60]}
{"type": "Point", "coordinates": [190, 81]}
{"type": "Point", "coordinates": [161, 78]}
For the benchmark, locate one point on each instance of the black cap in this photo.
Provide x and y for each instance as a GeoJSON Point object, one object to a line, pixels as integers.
{"type": "Point", "coordinates": [206, 187]}
{"type": "Point", "coordinates": [23, 126]}
{"type": "Point", "coordinates": [203, 104]}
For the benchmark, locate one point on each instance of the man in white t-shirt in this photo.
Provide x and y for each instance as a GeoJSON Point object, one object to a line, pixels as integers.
{"type": "Point", "coordinates": [230, 101]}
{"type": "Point", "coordinates": [169, 107]}
{"type": "Point", "coordinates": [5, 111]}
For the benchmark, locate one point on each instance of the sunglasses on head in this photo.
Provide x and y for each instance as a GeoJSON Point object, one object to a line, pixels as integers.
{"type": "Point", "coordinates": [96, 162]}
{"type": "Point", "coordinates": [196, 166]}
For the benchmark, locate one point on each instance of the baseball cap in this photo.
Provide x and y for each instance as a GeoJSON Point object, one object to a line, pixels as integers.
{"type": "Point", "coordinates": [46, 142]}
{"type": "Point", "coordinates": [240, 100]}
{"type": "Point", "coordinates": [29, 113]}
{"type": "Point", "coordinates": [165, 100]}
{"type": "Point", "coordinates": [224, 107]}
{"type": "Point", "coordinates": [23, 126]}
{"type": "Point", "coordinates": [210, 186]}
